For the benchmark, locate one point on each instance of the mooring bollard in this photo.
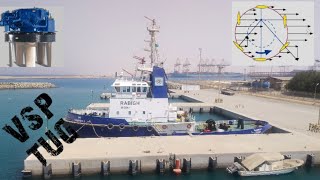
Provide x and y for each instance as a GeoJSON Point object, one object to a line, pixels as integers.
{"type": "Point", "coordinates": [105, 168]}
{"type": "Point", "coordinates": [310, 160]}
{"type": "Point", "coordinates": [133, 167]}
{"type": "Point", "coordinates": [76, 169]}
{"type": "Point", "coordinates": [47, 171]}
{"type": "Point", "coordinates": [186, 166]}
{"type": "Point", "coordinates": [237, 159]}
{"type": "Point", "coordinates": [211, 110]}
{"type": "Point", "coordinates": [172, 159]}
{"type": "Point", "coordinates": [213, 163]}
{"type": "Point", "coordinates": [161, 167]}
{"type": "Point", "coordinates": [177, 169]}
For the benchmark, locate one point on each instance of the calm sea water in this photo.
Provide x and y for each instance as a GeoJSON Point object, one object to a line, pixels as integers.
{"type": "Point", "coordinates": [78, 93]}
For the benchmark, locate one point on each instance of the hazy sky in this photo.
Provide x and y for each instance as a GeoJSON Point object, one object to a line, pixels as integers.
{"type": "Point", "coordinates": [101, 36]}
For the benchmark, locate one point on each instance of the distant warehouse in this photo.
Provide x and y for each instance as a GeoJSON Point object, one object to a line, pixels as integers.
{"type": "Point", "coordinates": [278, 83]}
{"type": "Point", "coordinates": [275, 83]}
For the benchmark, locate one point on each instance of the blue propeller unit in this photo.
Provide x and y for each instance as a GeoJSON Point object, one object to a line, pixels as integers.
{"type": "Point", "coordinates": [29, 32]}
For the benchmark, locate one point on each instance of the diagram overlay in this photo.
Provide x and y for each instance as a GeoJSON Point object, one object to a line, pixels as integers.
{"type": "Point", "coordinates": [266, 33]}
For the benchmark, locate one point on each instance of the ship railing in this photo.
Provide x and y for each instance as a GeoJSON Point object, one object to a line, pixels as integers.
{"type": "Point", "coordinates": [158, 129]}
{"type": "Point", "coordinates": [129, 95]}
{"type": "Point", "coordinates": [156, 120]}
{"type": "Point", "coordinates": [129, 78]}
{"type": "Point", "coordinates": [89, 112]}
{"type": "Point", "coordinates": [191, 117]}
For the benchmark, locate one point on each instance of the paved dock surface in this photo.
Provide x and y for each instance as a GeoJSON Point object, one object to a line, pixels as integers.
{"type": "Point", "coordinates": [289, 115]}
{"type": "Point", "coordinates": [90, 152]}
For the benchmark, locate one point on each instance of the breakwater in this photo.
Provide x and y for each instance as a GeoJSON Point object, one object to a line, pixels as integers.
{"type": "Point", "coordinates": [26, 85]}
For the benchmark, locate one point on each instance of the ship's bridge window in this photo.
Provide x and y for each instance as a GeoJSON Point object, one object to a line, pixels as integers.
{"type": "Point", "coordinates": [128, 89]}
{"type": "Point", "coordinates": [124, 89]}
{"type": "Point", "coordinates": [117, 88]}
{"type": "Point", "coordinates": [139, 89]}
{"type": "Point", "coordinates": [133, 87]}
{"type": "Point", "coordinates": [145, 89]}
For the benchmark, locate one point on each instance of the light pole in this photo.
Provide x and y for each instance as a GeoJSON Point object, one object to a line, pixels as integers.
{"type": "Point", "coordinates": [315, 92]}
{"type": "Point", "coordinates": [319, 117]}
{"type": "Point", "coordinates": [200, 50]}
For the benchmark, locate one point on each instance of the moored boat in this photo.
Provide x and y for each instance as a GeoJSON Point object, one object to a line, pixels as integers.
{"type": "Point", "coordinates": [139, 106]}
{"type": "Point", "coordinates": [265, 164]}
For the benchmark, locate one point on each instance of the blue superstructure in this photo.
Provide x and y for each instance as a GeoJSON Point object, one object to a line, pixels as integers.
{"type": "Point", "coordinates": [27, 20]}
{"type": "Point", "coordinates": [159, 87]}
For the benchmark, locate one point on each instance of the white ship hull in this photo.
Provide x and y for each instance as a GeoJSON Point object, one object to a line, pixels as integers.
{"type": "Point", "coordinates": [264, 173]}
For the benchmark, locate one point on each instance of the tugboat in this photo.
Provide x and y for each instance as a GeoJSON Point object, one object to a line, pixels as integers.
{"type": "Point", "coordinates": [139, 106]}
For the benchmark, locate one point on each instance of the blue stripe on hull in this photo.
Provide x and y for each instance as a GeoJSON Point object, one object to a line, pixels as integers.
{"type": "Point", "coordinates": [95, 119]}
{"type": "Point", "coordinates": [91, 131]}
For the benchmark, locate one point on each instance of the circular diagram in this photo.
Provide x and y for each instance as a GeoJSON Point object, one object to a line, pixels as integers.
{"type": "Point", "coordinates": [261, 33]}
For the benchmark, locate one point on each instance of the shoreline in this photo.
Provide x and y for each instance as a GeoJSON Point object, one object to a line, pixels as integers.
{"type": "Point", "coordinates": [25, 85]}
{"type": "Point", "coordinates": [56, 77]}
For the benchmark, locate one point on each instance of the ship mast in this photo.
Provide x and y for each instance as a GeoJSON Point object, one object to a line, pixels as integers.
{"type": "Point", "coordinates": [152, 43]}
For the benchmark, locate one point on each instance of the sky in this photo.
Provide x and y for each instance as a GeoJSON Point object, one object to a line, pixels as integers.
{"type": "Point", "coordinates": [101, 36]}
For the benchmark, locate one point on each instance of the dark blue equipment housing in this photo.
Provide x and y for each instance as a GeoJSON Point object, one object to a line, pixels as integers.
{"type": "Point", "coordinates": [29, 32]}
{"type": "Point", "coordinates": [28, 21]}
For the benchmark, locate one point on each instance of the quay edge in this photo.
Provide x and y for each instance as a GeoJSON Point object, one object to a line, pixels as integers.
{"type": "Point", "coordinates": [119, 151]}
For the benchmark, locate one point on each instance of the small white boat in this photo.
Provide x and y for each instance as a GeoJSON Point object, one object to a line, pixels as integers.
{"type": "Point", "coordinates": [265, 164]}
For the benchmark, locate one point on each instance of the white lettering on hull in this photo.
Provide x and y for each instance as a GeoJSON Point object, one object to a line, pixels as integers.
{"type": "Point", "coordinates": [129, 103]}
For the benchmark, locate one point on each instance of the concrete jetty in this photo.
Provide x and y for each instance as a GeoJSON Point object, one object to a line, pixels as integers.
{"type": "Point", "coordinates": [26, 85]}
{"type": "Point", "coordinates": [120, 155]}
{"type": "Point", "coordinates": [283, 114]}
{"type": "Point", "coordinates": [91, 152]}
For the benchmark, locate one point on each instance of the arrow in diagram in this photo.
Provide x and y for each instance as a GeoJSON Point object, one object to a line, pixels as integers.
{"type": "Point", "coordinates": [266, 52]}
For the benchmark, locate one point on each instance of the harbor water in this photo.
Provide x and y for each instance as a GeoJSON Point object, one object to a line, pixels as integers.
{"type": "Point", "coordinates": [78, 93]}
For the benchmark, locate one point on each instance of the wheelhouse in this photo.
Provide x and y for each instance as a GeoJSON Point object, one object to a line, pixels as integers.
{"type": "Point", "coordinates": [125, 88]}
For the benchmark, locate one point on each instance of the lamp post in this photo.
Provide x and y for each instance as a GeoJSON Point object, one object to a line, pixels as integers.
{"type": "Point", "coordinates": [315, 92]}
{"type": "Point", "coordinates": [319, 117]}
{"type": "Point", "coordinates": [200, 50]}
